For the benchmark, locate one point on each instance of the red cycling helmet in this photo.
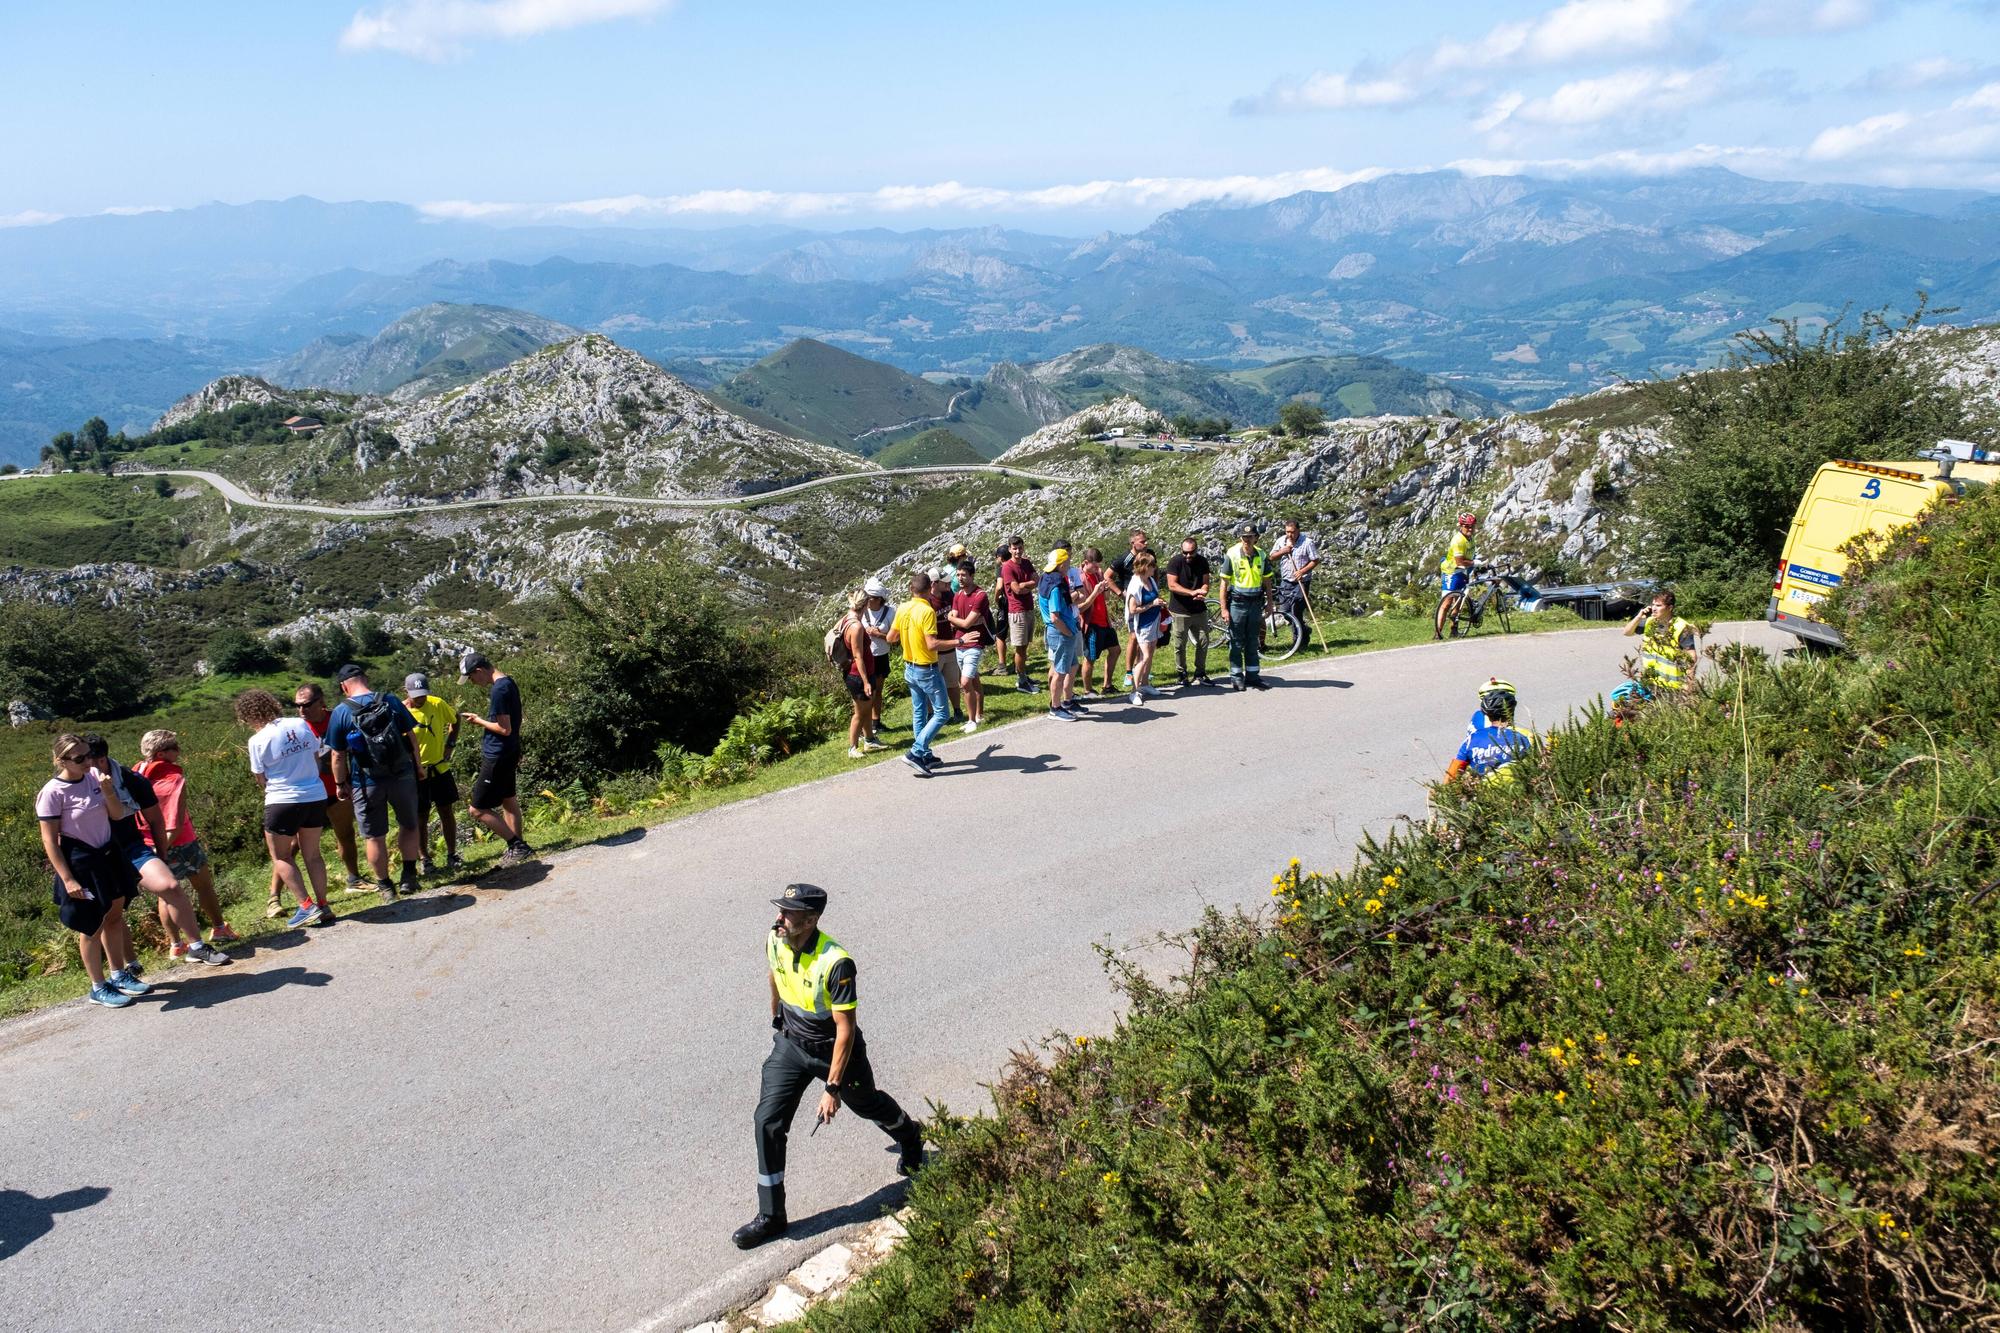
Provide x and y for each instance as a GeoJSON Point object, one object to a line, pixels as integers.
{"type": "Point", "coordinates": [1468, 520]}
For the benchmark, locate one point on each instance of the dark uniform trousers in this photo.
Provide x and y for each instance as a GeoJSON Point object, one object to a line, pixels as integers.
{"type": "Point", "coordinates": [788, 1071]}
{"type": "Point", "coordinates": [1246, 627]}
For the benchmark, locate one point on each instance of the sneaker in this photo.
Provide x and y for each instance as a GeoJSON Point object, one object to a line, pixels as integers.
{"type": "Point", "coordinates": [104, 994]}
{"type": "Point", "coordinates": [1024, 685]}
{"type": "Point", "coordinates": [1062, 715]}
{"type": "Point", "coordinates": [454, 864]}
{"type": "Point", "coordinates": [322, 916]}
{"type": "Point", "coordinates": [516, 853]}
{"type": "Point", "coordinates": [1138, 698]}
{"type": "Point", "coordinates": [222, 934]}
{"type": "Point", "coordinates": [1184, 680]}
{"type": "Point", "coordinates": [931, 761]}
{"type": "Point", "coordinates": [923, 769]}
{"type": "Point", "coordinates": [125, 983]}
{"type": "Point", "coordinates": [360, 886]}
{"type": "Point", "coordinates": [207, 953]}
{"type": "Point", "coordinates": [430, 866]}
{"type": "Point", "coordinates": [274, 909]}
{"type": "Point", "coordinates": [872, 746]}
{"type": "Point", "coordinates": [305, 916]}
{"type": "Point", "coordinates": [955, 719]}
{"type": "Point", "coordinates": [177, 951]}
{"type": "Point", "coordinates": [969, 727]}
{"type": "Point", "coordinates": [134, 968]}
{"type": "Point", "coordinates": [387, 890]}
{"type": "Point", "coordinates": [854, 752]}
{"type": "Point", "coordinates": [1126, 680]}
{"type": "Point", "coordinates": [1149, 691]}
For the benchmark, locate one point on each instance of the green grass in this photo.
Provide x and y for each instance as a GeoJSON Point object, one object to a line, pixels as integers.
{"type": "Point", "coordinates": [58, 522]}
{"type": "Point", "coordinates": [933, 448]}
{"type": "Point", "coordinates": [225, 804]}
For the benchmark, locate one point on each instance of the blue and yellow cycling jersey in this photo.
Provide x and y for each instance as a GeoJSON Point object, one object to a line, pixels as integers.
{"type": "Point", "coordinates": [1460, 549]}
{"type": "Point", "coordinates": [1492, 747]}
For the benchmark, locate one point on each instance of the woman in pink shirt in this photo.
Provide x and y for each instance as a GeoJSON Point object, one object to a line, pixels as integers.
{"type": "Point", "coordinates": [160, 764]}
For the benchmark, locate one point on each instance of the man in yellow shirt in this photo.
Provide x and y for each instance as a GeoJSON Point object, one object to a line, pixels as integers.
{"type": "Point", "coordinates": [1456, 569]}
{"type": "Point", "coordinates": [915, 632]}
{"type": "Point", "coordinates": [437, 734]}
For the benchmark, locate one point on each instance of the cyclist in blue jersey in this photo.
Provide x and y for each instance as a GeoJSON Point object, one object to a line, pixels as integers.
{"type": "Point", "coordinates": [1487, 751]}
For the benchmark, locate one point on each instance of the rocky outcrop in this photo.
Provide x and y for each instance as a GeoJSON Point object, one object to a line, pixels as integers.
{"type": "Point", "coordinates": [1052, 448]}
{"type": "Point", "coordinates": [237, 390]}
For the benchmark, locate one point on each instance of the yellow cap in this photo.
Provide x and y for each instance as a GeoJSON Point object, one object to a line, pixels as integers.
{"type": "Point", "coordinates": [1056, 557]}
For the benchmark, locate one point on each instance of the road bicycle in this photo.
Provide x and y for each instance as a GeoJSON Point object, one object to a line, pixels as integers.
{"type": "Point", "coordinates": [1491, 592]}
{"type": "Point", "coordinates": [1281, 634]}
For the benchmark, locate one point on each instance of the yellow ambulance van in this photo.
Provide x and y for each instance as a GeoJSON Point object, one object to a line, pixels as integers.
{"type": "Point", "coordinates": [1847, 499]}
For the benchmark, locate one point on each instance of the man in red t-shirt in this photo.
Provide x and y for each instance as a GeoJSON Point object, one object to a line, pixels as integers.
{"type": "Point", "coordinates": [310, 701]}
{"type": "Point", "coordinates": [1100, 640]}
{"type": "Point", "coordinates": [1017, 585]}
{"type": "Point", "coordinates": [970, 616]}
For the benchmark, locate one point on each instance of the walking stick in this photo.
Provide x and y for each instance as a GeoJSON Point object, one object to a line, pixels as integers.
{"type": "Point", "coordinates": [1312, 611]}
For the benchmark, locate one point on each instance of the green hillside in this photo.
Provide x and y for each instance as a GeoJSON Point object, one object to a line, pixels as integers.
{"type": "Point", "coordinates": [936, 447]}
{"type": "Point", "coordinates": [835, 397]}
{"type": "Point", "coordinates": [1342, 386]}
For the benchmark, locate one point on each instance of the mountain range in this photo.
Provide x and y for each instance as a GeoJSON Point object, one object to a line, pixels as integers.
{"type": "Point", "coordinates": [1517, 288]}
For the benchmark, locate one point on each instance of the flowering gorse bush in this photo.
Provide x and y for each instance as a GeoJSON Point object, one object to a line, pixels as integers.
{"type": "Point", "coordinates": [1693, 1025]}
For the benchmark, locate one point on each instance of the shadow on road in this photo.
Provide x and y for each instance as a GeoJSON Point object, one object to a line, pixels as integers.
{"type": "Point", "coordinates": [1127, 715]}
{"type": "Point", "coordinates": [25, 1219]}
{"type": "Point", "coordinates": [207, 989]}
{"type": "Point", "coordinates": [885, 1200]}
{"type": "Point", "coordinates": [513, 877]}
{"type": "Point", "coordinates": [625, 839]}
{"type": "Point", "coordinates": [413, 909]}
{"type": "Point", "coordinates": [993, 760]}
{"type": "Point", "coordinates": [1287, 683]}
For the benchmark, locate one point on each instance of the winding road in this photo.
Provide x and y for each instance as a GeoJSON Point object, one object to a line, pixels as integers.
{"type": "Point", "coordinates": [526, 1105]}
{"type": "Point", "coordinates": [235, 494]}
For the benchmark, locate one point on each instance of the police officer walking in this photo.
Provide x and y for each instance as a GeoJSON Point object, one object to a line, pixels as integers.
{"type": "Point", "coordinates": [1246, 584]}
{"type": "Point", "coordinates": [812, 1009]}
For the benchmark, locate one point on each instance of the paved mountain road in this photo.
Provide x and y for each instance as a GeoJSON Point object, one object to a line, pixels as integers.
{"type": "Point", "coordinates": [528, 1107]}
{"type": "Point", "coordinates": [235, 494]}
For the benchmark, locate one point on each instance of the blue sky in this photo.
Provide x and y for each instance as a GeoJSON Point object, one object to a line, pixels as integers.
{"type": "Point", "coordinates": [1064, 117]}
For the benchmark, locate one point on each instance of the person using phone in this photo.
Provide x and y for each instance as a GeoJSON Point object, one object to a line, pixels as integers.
{"type": "Point", "coordinates": [93, 877]}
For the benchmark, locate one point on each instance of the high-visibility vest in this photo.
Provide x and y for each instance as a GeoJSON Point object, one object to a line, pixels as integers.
{"type": "Point", "coordinates": [1665, 660]}
{"type": "Point", "coordinates": [1247, 572]}
{"type": "Point", "coordinates": [801, 977]}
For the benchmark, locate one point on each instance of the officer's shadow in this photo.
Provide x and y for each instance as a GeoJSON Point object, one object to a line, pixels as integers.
{"type": "Point", "coordinates": [25, 1219]}
{"type": "Point", "coordinates": [993, 759]}
{"type": "Point", "coordinates": [885, 1200]}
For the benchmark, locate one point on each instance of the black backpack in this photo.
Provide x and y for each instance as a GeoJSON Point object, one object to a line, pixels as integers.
{"type": "Point", "coordinates": [380, 736]}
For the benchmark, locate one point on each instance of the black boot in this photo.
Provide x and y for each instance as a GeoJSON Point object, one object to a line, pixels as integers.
{"type": "Point", "coordinates": [1259, 683]}
{"type": "Point", "coordinates": [761, 1228]}
{"type": "Point", "coordinates": [912, 1159]}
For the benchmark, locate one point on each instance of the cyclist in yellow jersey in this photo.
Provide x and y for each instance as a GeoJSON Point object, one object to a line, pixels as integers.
{"type": "Point", "coordinates": [1456, 570]}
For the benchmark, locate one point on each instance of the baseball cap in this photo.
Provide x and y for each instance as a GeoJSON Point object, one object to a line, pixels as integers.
{"type": "Point", "coordinates": [801, 898]}
{"type": "Point", "coordinates": [470, 661]}
{"type": "Point", "coordinates": [957, 550]}
{"type": "Point", "coordinates": [416, 683]}
{"type": "Point", "coordinates": [352, 671]}
{"type": "Point", "coordinates": [1056, 557]}
{"type": "Point", "coordinates": [875, 588]}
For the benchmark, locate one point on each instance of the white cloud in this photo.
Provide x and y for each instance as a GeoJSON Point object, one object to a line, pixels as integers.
{"type": "Point", "coordinates": [1331, 92]}
{"type": "Point", "coordinates": [1791, 17]}
{"type": "Point", "coordinates": [1966, 131]}
{"type": "Point", "coordinates": [1927, 74]}
{"type": "Point", "coordinates": [1577, 32]}
{"type": "Point", "coordinates": [1628, 94]}
{"type": "Point", "coordinates": [1138, 193]}
{"type": "Point", "coordinates": [437, 29]}
{"type": "Point", "coordinates": [29, 217]}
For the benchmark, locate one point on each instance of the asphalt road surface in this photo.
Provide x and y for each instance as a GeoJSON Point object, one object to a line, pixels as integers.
{"type": "Point", "coordinates": [235, 494]}
{"type": "Point", "coordinates": [528, 1107]}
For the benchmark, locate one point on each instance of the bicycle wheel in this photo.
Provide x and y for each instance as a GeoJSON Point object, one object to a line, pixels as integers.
{"type": "Point", "coordinates": [1281, 636]}
{"type": "Point", "coordinates": [1504, 610]}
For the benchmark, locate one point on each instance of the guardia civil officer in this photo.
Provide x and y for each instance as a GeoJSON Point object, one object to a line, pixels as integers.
{"type": "Point", "coordinates": [1246, 587]}
{"type": "Point", "coordinates": [812, 1009]}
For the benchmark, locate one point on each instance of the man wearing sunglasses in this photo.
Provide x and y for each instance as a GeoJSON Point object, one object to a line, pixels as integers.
{"type": "Point", "coordinates": [310, 701]}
